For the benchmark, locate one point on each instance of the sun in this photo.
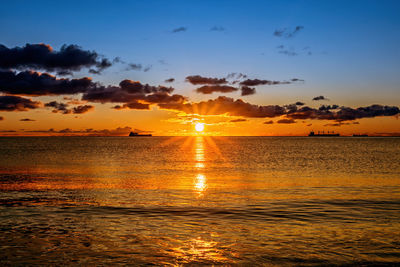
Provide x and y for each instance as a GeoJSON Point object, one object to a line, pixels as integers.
{"type": "Point", "coordinates": [199, 126]}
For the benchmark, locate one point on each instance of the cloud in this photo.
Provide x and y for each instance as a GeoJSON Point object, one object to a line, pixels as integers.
{"type": "Point", "coordinates": [82, 109]}
{"type": "Point", "coordinates": [133, 95]}
{"type": "Point", "coordinates": [217, 29]}
{"type": "Point", "coordinates": [235, 75]}
{"type": "Point", "coordinates": [197, 79]}
{"type": "Point", "coordinates": [238, 120]}
{"type": "Point", "coordinates": [269, 122]}
{"type": "Point", "coordinates": [133, 66]}
{"type": "Point", "coordinates": [1, 118]}
{"type": "Point", "coordinates": [328, 107]}
{"type": "Point", "coordinates": [179, 29]}
{"type": "Point", "coordinates": [16, 103]}
{"type": "Point", "coordinates": [288, 32]}
{"type": "Point", "coordinates": [299, 103]}
{"type": "Point", "coordinates": [289, 53]}
{"type": "Point", "coordinates": [338, 124]}
{"type": "Point", "coordinates": [286, 121]}
{"type": "Point", "coordinates": [35, 83]}
{"type": "Point", "coordinates": [209, 89]}
{"type": "Point", "coordinates": [226, 105]}
{"type": "Point", "coordinates": [42, 56]}
{"type": "Point", "coordinates": [26, 119]}
{"type": "Point", "coordinates": [256, 82]}
{"type": "Point", "coordinates": [170, 80]}
{"type": "Point", "coordinates": [321, 97]}
{"type": "Point", "coordinates": [59, 107]}
{"type": "Point", "coordinates": [73, 101]}
{"type": "Point", "coordinates": [247, 90]}
{"type": "Point", "coordinates": [343, 113]}
{"type": "Point", "coordinates": [132, 105]}
{"type": "Point", "coordinates": [146, 69]}
{"type": "Point", "coordinates": [120, 131]}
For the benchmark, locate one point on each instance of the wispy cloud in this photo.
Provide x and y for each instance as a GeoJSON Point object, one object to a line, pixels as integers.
{"type": "Point", "coordinates": [217, 29]}
{"type": "Point", "coordinates": [179, 29]}
{"type": "Point", "coordinates": [288, 32]}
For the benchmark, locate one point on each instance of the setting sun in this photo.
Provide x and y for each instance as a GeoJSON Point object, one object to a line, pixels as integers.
{"type": "Point", "coordinates": [199, 127]}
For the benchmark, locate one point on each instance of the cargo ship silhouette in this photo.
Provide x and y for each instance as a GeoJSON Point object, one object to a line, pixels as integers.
{"type": "Point", "coordinates": [137, 134]}
{"type": "Point", "coordinates": [323, 134]}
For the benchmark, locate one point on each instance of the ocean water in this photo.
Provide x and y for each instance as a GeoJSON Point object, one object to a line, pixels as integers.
{"type": "Point", "coordinates": [271, 201]}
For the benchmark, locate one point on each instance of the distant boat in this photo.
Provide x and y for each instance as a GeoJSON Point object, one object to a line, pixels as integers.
{"type": "Point", "coordinates": [323, 134]}
{"type": "Point", "coordinates": [137, 134]}
{"type": "Point", "coordinates": [360, 135]}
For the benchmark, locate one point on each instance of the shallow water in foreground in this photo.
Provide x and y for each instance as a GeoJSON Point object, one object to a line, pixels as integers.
{"type": "Point", "coordinates": [199, 200]}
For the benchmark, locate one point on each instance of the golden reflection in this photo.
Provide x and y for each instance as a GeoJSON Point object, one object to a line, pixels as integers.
{"type": "Point", "coordinates": [200, 182]}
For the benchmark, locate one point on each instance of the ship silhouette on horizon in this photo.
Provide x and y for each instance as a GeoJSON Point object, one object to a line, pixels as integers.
{"type": "Point", "coordinates": [312, 133]}
{"type": "Point", "coordinates": [134, 134]}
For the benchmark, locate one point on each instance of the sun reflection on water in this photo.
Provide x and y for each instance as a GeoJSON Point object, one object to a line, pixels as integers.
{"type": "Point", "coordinates": [200, 181]}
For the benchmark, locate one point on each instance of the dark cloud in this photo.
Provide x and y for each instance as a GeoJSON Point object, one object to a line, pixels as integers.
{"type": "Point", "coordinates": [226, 105]}
{"type": "Point", "coordinates": [256, 82]}
{"type": "Point", "coordinates": [338, 124]}
{"type": "Point", "coordinates": [321, 97]}
{"type": "Point", "coordinates": [1, 118]}
{"type": "Point", "coordinates": [343, 113]}
{"type": "Point", "coordinates": [170, 80]}
{"type": "Point", "coordinates": [132, 105]}
{"type": "Point", "coordinates": [64, 73]}
{"type": "Point", "coordinates": [238, 120]}
{"type": "Point", "coordinates": [133, 66]}
{"type": "Point", "coordinates": [82, 109]}
{"type": "Point", "coordinates": [16, 103]}
{"type": "Point", "coordinates": [269, 122]}
{"type": "Point", "coordinates": [133, 95]}
{"type": "Point", "coordinates": [197, 79]}
{"type": "Point", "coordinates": [328, 107]}
{"type": "Point", "coordinates": [286, 121]}
{"type": "Point", "coordinates": [287, 32]}
{"type": "Point", "coordinates": [247, 90]}
{"type": "Point", "coordinates": [180, 29]}
{"type": "Point", "coordinates": [59, 107]}
{"type": "Point", "coordinates": [209, 89]}
{"type": "Point", "coordinates": [41, 56]}
{"type": "Point", "coordinates": [137, 87]}
{"type": "Point", "coordinates": [217, 29]}
{"type": "Point", "coordinates": [229, 106]}
{"type": "Point", "coordinates": [299, 103]}
{"type": "Point", "coordinates": [120, 131]}
{"type": "Point", "coordinates": [26, 119]}
{"type": "Point", "coordinates": [146, 69]}
{"type": "Point", "coordinates": [35, 83]}
{"type": "Point", "coordinates": [235, 75]}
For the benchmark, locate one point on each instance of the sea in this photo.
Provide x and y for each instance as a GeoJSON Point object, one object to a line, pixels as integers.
{"type": "Point", "coordinates": [232, 201]}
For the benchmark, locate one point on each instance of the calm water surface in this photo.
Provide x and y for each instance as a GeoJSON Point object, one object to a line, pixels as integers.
{"type": "Point", "coordinates": [199, 200]}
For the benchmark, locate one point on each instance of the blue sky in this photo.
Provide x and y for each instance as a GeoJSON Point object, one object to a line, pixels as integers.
{"type": "Point", "coordinates": [347, 51]}
{"type": "Point", "coordinates": [354, 44]}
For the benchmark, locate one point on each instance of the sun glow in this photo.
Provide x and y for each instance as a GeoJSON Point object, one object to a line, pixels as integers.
{"type": "Point", "coordinates": [199, 126]}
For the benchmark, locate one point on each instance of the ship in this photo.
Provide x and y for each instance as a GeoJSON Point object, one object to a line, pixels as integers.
{"type": "Point", "coordinates": [137, 134]}
{"type": "Point", "coordinates": [360, 135]}
{"type": "Point", "coordinates": [323, 134]}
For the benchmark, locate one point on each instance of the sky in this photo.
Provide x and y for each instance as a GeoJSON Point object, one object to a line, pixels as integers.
{"type": "Point", "coordinates": [240, 67]}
